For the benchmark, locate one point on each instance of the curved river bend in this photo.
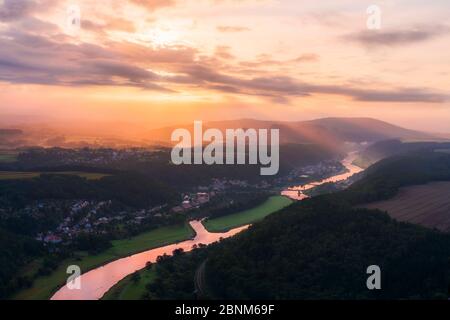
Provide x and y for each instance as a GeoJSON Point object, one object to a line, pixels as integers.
{"type": "Point", "coordinates": [297, 192]}
{"type": "Point", "coordinates": [95, 283]}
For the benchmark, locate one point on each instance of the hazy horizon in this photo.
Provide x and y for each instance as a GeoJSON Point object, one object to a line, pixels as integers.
{"type": "Point", "coordinates": [128, 130]}
{"type": "Point", "coordinates": [141, 64]}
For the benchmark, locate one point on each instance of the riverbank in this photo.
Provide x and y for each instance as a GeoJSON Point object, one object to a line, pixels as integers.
{"type": "Point", "coordinates": [228, 222]}
{"type": "Point", "coordinates": [45, 286]}
{"type": "Point", "coordinates": [97, 282]}
{"type": "Point", "coordinates": [133, 287]}
{"type": "Point", "coordinates": [100, 280]}
{"type": "Point", "coordinates": [299, 192]}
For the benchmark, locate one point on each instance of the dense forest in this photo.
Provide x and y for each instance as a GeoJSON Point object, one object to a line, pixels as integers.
{"type": "Point", "coordinates": [157, 165]}
{"type": "Point", "coordinates": [317, 248]}
{"type": "Point", "coordinates": [388, 148]}
{"type": "Point", "coordinates": [15, 251]}
{"type": "Point", "coordinates": [383, 179]}
{"type": "Point", "coordinates": [19, 228]}
{"type": "Point", "coordinates": [320, 248]}
{"type": "Point", "coordinates": [135, 182]}
{"type": "Point", "coordinates": [132, 189]}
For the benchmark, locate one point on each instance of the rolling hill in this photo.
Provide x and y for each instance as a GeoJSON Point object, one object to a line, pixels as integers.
{"type": "Point", "coordinates": [320, 248]}
{"type": "Point", "coordinates": [9, 137]}
{"type": "Point", "coordinates": [368, 129]}
{"type": "Point", "coordinates": [10, 132]}
{"type": "Point", "coordinates": [329, 132]}
{"type": "Point", "coordinates": [387, 148]}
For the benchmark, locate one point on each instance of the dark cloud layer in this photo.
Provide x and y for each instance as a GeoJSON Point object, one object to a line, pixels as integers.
{"type": "Point", "coordinates": [27, 58]}
{"type": "Point", "coordinates": [396, 37]}
{"type": "Point", "coordinates": [11, 10]}
{"type": "Point", "coordinates": [281, 88]}
{"type": "Point", "coordinates": [111, 24]}
{"type": "Point", "coordinates": [15, 9]}
{"type": "Point", "coordinates": [52, 59]}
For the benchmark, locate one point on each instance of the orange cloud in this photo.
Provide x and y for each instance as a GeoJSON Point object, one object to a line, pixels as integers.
{"type": "Point", "coordinates": [232, 29]}
{"type": "Point", "coordinates": [154, 4]}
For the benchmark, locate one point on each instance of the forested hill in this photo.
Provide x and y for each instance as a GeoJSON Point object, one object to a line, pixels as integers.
{"type": "Point", "coordinates": [129, 188]}
{"type": "Point", "coordinates": [157, 165]}
{"type": "Point", "coordinates": [388, 148]}
{"type": "Point", "coordinates": [383, 179]}
{"type": "Point", "coordinates": [331, 133]}
{"type": "Point", "coordinates": [320, 248]}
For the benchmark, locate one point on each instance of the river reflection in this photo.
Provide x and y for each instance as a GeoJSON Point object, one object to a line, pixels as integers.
{"type": "Point", "coordinates": [95, 283]}
{"type": "Point", "coordinates": [297, 192]}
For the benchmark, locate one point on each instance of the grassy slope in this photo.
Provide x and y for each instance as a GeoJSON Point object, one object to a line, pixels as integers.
{"type": "Point", "coordinates": [231, 221]}
{"type": "Point", "coordinates": [11, 175]}
{"type": "Point", "coordinates": [43, 287]}
{"type": "Point", "coordinates": [127, 289]}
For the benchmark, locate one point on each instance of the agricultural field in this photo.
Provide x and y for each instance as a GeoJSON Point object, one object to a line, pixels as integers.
{"type": "Point", "coordinates": [225, 223]}
{"type": "Point", "coordinates": [13, 175]}
{"type": "Point", "coordinates": [427, 205]}
{"type": "Point", "coordinates": [8, 156]}
{"type": "Point", "coordinates": [43, 287]}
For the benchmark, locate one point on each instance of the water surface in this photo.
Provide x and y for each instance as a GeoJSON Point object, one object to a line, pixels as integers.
{"type": "Point", "coordinates": [95, 283]}
{"type": "Point", "coordinates": [297, 192]}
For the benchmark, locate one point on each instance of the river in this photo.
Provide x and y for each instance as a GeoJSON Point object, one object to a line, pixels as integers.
{"type": "Point", "coordinates": [297, 192]}
{"type": "Point", "coordinates": [95, 283]}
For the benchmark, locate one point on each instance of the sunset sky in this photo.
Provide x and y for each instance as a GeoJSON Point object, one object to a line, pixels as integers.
{"type": "Point", "coordinates": [151, 63]}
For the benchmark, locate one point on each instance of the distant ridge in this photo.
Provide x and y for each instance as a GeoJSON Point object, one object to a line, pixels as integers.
{"type": "Point", "coordinates": [369, 129]}
{"type": "Point", "coordinates": [330, 132]}
{"type": "Point", "coordinates": [10, 132]}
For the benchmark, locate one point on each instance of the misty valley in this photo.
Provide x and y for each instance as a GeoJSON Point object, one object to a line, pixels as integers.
{"type": "Point", "coordinates": [224, 159]}
{"type": "Point", "coordinates": [183, 228]}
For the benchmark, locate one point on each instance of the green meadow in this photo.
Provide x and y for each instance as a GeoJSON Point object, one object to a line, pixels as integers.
{"type": "Point", "coordinates": [225, 223]}
{"type": "Point", "coordinates": [131, 287]}
{"type": "Point", "coordinates": [7, 156]}
{"type": "Point", "coordinates": [44, 286]}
